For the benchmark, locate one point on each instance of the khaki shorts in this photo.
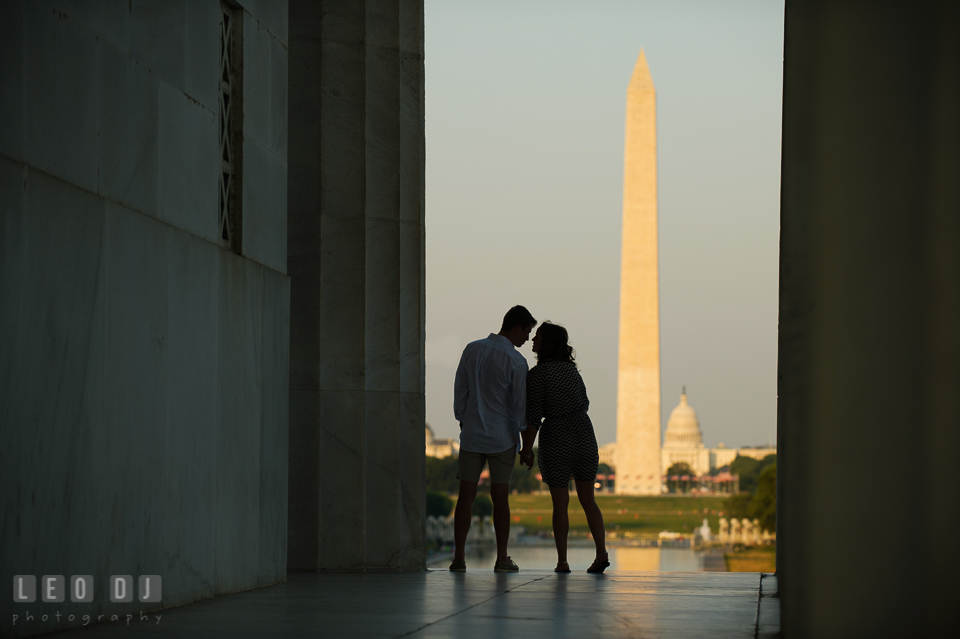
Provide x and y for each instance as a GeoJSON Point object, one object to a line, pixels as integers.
{"type": "Point", "coordinates": [501, 465]}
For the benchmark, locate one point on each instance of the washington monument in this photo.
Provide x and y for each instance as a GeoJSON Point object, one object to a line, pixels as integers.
{"type": "Point", "coordinates": [638, 379]}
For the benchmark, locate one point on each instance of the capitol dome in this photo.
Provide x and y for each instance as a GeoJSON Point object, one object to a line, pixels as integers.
{"type": "Point", "coordinates": [683, 428]}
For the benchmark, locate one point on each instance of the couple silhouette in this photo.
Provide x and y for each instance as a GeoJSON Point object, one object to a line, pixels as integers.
{"type": "Point", "coordinates": [502, 407]}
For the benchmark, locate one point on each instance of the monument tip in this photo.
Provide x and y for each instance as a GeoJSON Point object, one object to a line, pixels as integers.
{"type": "Point", "coordinates": [641, 78]}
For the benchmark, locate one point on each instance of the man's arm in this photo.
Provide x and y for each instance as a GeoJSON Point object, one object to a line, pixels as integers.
{"type": "Point", "coordinates": [534, 413]}
{"type": "Point", "coordinates": [461, 390]}
{"type": "Point", "coordinates": [529, 435]}
{"type": "Point", "coordinates": [519, 388]}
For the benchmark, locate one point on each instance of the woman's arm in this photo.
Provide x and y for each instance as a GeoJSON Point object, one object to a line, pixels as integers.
{"type": "Point", "coordinates": [526, 453]}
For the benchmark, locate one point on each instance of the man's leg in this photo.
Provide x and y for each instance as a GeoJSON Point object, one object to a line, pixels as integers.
{"type": "Point", "coordinates": [501, 468]}
{"type": "Point", "coordinates": [463, 515]}
{"type": "Point", "coordinates": [500, 494]}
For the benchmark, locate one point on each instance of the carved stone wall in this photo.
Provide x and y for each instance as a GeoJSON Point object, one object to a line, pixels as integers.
{"type": "Point", "coordinates": [356, 260]}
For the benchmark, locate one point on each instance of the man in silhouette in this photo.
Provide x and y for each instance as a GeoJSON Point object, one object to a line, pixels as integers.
{"type": "Point", "coordinates": [489, 401]}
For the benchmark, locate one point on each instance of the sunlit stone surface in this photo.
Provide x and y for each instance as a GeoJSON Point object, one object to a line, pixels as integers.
{"type": "Point", "coordinates": [481, 604]}
{"type": "Point", "coordinates": [638, 379]}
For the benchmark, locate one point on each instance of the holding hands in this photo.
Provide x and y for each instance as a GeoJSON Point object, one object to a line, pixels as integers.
{"type": "Point", "coordinates": [526, 450]}
{"type": "Point", "coordinates": [527, 458]}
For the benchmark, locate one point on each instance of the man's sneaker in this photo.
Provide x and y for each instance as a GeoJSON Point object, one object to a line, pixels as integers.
{"type": "Point", "coordinates": [458, 565]}
{"type": "Point", "coordinates": [505, 566]}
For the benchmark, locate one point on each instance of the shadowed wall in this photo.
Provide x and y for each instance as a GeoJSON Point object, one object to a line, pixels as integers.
{"type": "Point", "coordinates": [356, 260]}
{"type": "Point", "coordinates": [143, 364]}
{"type": "Point", "coordinates": [869, 368]}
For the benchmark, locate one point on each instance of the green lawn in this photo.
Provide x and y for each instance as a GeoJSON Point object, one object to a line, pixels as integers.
{"type": "Point", "coordinates": [754, 559]}
{"type": "Point", "coordinates": [628, 516]}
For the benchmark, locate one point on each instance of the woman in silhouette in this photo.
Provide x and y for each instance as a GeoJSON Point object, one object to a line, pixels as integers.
{"type": "Point", "coordinates": [568, 446]}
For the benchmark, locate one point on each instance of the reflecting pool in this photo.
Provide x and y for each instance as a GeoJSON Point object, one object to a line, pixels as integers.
{"type": "Point", "coordinates": [580, 558]}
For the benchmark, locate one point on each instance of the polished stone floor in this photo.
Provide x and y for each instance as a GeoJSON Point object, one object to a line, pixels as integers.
{"type": "Point", "coordinates": [478, 604]}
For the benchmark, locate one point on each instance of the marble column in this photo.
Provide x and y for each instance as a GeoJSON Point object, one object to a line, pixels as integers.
{"type": "Point", "coordinates": [356, 261]}
{"type": "Point", "coordinates": [869, 366]}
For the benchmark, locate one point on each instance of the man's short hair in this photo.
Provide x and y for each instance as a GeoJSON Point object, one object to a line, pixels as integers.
{"type": "Point", "coordinates": [517, 316]}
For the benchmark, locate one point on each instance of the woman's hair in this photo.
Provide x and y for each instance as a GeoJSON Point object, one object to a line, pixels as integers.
{"type": "Point", "coordinates": [553, 343]}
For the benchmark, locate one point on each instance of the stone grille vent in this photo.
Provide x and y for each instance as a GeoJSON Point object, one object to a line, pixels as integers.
{"type": "Point", "coordinates": [231, 126]}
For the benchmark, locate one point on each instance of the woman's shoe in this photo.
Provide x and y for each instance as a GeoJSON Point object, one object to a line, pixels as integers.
{"type": "Point", "coordinates": [562, 566]}
{"type": "Point", "coordinates": [598, 565]}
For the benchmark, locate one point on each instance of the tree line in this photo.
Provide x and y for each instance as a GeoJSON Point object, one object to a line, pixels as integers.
{"type": "Point", "coordinates": [758, 491]}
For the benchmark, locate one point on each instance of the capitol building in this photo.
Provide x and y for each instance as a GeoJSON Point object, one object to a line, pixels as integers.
{"type": "Point", "coordinates": [683, 443]}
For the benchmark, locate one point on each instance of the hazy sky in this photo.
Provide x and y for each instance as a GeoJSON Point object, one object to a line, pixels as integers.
{"type": "Point", "coordinates": [525, 105]}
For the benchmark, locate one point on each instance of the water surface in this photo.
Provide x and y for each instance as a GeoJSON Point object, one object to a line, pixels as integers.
{"type": "Point", "coordinates": [580, 558]}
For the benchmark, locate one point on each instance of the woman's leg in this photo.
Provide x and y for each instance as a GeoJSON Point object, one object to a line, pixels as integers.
{"type": "Point", "coordinates": [592, 511]}
{"type": "Point", "coordinates": [561, 524]}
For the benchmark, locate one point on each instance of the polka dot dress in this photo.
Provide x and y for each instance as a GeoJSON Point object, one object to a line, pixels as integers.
{"type": "Point", "coordinates": [568, 445]}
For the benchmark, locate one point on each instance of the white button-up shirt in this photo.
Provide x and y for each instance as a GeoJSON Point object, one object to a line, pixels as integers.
{"type": "Point", "coordinates": [490, 395]}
